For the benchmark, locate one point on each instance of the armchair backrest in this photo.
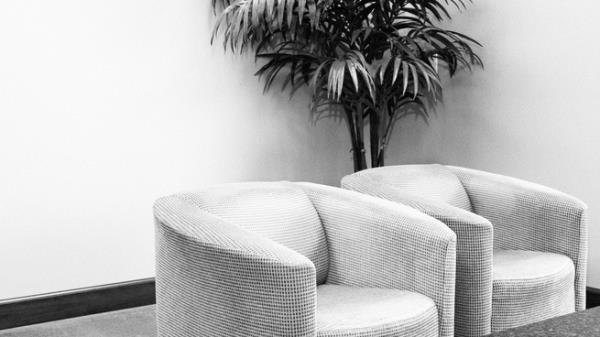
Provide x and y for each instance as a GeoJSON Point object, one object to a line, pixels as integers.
{"type": "Point", "coordinates": [279, 211]}
{"type": "Point", "coordinates": [433, 182]}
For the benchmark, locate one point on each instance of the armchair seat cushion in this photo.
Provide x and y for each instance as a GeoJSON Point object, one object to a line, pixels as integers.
{"type": "Point", "coordinates": [530, 286]}
{"type": "Point", "coordinates": [344, 311]}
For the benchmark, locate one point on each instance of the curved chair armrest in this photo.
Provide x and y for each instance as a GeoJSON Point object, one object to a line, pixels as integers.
{"type": "Point", "coordinates": [378, 243]}
{"type": "Point", "coordinates": [216, 279]}
{"type": "Point", "coordinates": [531, 217]}
{"type": "Point", "coordinates": [474, 252]}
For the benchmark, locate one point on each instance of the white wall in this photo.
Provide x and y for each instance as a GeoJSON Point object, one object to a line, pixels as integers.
{"type": "Point", "coordinates": [534, 112]}
{"type": "Point", "coordinates": [107, 105]}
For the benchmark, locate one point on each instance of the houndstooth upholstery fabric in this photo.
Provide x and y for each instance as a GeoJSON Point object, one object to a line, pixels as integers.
{"type": "Point", "coordinates": [361, 312]}
{"type": "Point", "coordinates": [280, 212]}
{"type": "Point", "coordinates": [536, 222]}
{"type": "Point", "coordinates": [531, 286]}
{"type": "Point", "coordinates": [216, 277]}
{"type": "Point", "coordinates": [433, 182]}
{"type": "Point", "coordinates": [528, 216]}
{"type": "Point", "coordinates": [377, 243]}
{"type": "Point", "coordinates": [474, 235]}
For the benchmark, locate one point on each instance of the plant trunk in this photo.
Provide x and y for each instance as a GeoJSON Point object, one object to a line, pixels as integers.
{"type": "Point", "coordinates": [377, 124]}
{"type": "Point", "coordinates": [376, 140]}
{"type": "Point", "coordinates": [360, 160]}
{"type": "Point", "coordinates": [381, 156]}
{"type": "Point", "coordinates": [374, 133]}
{"type": "Point", "coordinates": [355, 126]}
{"type": "Point", "coordinates": [358, 155]}
{"type": "Point", "coordinates": [376, 148]}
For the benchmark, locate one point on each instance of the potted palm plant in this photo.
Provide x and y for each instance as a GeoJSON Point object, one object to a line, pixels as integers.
{"type": "Point", "coordinates": [369, 62]}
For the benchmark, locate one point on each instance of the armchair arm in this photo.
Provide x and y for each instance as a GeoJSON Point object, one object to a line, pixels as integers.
{"type": "Point", "coordinates": [529, 216]}
{"type": "Point", "coordinates": [216, 279]}
{"type": "Point", "coordinates": [474, 252]}
{"type": "Point", "coordinates": [377, 243]}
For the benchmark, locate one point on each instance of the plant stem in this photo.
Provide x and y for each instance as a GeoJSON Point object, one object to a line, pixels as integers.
{"type": "Point", "coordinates": [356, 137]}
{"type": "Point", "coordinates": [374, 133]}
{"type": "Point", "coordinates": [359, 152]}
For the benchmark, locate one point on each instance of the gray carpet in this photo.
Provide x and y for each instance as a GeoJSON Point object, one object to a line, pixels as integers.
{"type": "Point", "coordinates": [581, 324]}
{"type": "Point", "coordinates": [139, 322]}
{"type": "Point", "coordinates": [135, 322]}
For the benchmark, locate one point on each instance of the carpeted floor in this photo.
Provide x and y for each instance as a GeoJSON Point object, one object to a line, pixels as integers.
{"type": "Point", "coordinates": [135, 322]}
{"type": "Point", "coordinates": [139, 322]}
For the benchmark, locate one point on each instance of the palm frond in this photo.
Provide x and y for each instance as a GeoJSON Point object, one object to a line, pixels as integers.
{"type": "Point", "coordinates": [369, 62]}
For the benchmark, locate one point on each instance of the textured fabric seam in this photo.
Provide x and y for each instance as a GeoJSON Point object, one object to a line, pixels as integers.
{"type": "Point", "coordinates": [580, 252]}
{"type": "Point", "coordinates": [463, 186]}
{"type": "Point", "coordinates": [324, 231]}
{"type": "Point", "coordinates": [444, 313]}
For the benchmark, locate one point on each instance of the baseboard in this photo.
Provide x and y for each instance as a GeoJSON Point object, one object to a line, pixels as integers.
{"type": "Point", "coordinates": [78, 302]}
{"type": "Point", "coordinates": [592, 297]}
{"type": "Point", "coordinates": [86, 301]}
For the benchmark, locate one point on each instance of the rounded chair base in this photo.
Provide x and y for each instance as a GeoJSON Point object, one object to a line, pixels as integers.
{"type": "Point", "coordinates": [530, 287]}
{"type": "Point", "coordinates": [362, 312]}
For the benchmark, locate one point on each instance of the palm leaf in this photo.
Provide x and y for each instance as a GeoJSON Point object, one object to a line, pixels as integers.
{"type": "Point", "coordinates": [361, 59]}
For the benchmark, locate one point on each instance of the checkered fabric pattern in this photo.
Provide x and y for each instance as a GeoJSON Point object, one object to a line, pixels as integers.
{"type": "Point", "coordinates": [215, 279]}
{"type": "Point", "coordinates": [529, 216]}
{"type": "Point", "coordinates": [377, 243]}
{"type": "Point", "coordinates": [531, 286]}
{"type": "Point", "coordinates": [278, 211]}
{"type": "Point", "coordinates": [433, 182]}
{"type": "Point", "coordinates": [344, 311]}
{"type": "Point", "coordinates": [535, 222]}
{"type": "Point", "coordinates": [474, 236]}
{"type": "Point", "coordinates": [218, 275]}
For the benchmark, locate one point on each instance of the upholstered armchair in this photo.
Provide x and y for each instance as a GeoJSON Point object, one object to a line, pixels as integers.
{"type": "Point", "coordinates": [521, 247]}
{"type": "Point", "coordinates": [300, 259]}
